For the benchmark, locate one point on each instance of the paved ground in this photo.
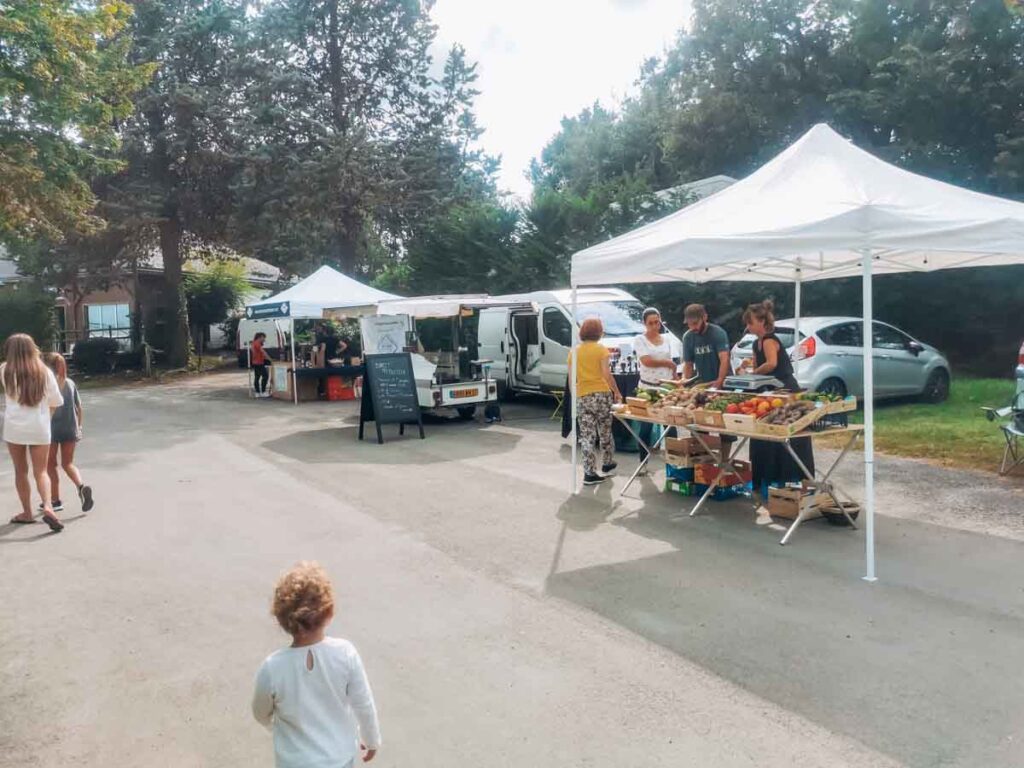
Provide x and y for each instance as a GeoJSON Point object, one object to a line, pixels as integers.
{"type": "Point", "coordinates": [503, 623]}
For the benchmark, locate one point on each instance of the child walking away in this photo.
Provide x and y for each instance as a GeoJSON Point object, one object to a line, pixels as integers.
{"type": "Point", "coordinates": [31, 394]}
{"type": "Point", "coordinates": [65, 432]}
{"type": "Point", "coordinates": [314, 695]}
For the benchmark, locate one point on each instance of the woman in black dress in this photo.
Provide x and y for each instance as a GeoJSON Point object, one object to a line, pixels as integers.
{"type": "Point", "coordinates": [771, 462]}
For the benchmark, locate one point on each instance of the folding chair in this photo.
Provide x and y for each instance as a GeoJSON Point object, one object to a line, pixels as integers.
{"type": "Point", "coordinates": [559, 396]}
{"type": "Point", "coordinates": [1013, 432]}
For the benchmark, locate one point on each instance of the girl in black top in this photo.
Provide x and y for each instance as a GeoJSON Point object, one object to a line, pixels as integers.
{"type": "Point", "coordinates": [771, 462]}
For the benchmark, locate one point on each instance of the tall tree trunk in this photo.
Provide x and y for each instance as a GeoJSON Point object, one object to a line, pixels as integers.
{"type": "Point", "coordinates": [177, 343]}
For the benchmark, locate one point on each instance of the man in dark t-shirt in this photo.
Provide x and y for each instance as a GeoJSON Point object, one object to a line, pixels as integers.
{"type": "Point", "coordinates": [705, 348]}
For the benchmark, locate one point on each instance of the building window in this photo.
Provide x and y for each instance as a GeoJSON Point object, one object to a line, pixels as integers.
{"type": "Point", "coordinates": [111, 321]}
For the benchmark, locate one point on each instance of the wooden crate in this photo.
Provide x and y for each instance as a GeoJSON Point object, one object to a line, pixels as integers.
{"type": "Point", "coordinates": [787, 430]}
{"type": "Point", "coordinates": [846, 405]}
{"type": "Point", "coordinates": [637, 404]}
{"type": "Point", "coordinates": [741, 422]}
{"type": "Point", "coordinates": [788, 502]}
{"type": "Point", "coordinates": [678, 416]}
{"type": "Point", "coordinates": [690, 446]}
{"type": "Point", "coordinates": [709, 418]}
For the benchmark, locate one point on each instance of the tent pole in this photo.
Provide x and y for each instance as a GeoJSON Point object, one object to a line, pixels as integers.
{"type": "Point", "coordinates": [869, 425]}
{"type": "Point", "coordinates": [572, 392]}
{"type": "Point", "coordinates": [798, 352]}
{"type": "Point", "coordinates": [295, 373]}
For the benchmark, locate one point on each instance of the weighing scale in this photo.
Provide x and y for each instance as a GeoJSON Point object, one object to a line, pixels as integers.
{"type": "Point", "coordinates": [751, 383]}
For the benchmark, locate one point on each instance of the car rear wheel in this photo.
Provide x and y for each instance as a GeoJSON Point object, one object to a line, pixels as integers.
{"type": "Point", "coordinates": [833, 386]}
{"type": "Point", "coordinates": [466, 412]}
{"type": "Point", "coordinates": [937, 388]}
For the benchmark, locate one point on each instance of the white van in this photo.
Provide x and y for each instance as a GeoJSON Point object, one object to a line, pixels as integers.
{"type": "Point", "coordinates": [530, 346]}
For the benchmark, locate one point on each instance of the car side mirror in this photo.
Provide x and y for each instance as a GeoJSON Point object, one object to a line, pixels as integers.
{"type": "Point", "coordinates": [914, 348]}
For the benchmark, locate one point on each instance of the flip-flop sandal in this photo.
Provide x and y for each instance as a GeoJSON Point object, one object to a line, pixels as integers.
{"type": "Point", "coordinates": [16, 521]}
{"type": "Point", "coordinates": [55, 525]}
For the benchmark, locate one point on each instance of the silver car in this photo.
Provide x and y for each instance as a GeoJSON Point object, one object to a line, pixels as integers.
{"type": "Point", "coordinates": [832, 358]}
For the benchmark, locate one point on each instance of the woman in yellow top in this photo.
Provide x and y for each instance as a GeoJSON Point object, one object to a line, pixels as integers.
{"type": "Point", "coordinates": [597, 391]}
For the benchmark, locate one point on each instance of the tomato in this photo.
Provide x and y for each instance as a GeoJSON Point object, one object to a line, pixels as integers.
{"type": "Point", "coordinates": [732, 408]}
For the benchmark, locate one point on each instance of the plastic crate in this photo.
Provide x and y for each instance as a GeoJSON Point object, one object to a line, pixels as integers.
{"type": "Point", "coordinates": [684, 474]}
{"type": "Point", "coordinates": [338, 389]}
{"type": "Point", "coordinates": [723, 493]}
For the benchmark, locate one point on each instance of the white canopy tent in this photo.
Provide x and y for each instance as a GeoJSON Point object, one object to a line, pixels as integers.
{"type": "Point", "coordinates": [821, 209]}
{"type": "Point", "coordinates": [309, 299]}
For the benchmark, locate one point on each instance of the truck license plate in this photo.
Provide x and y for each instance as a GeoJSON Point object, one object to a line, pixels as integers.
{"type": "Point", "coordinates": [457, 393]}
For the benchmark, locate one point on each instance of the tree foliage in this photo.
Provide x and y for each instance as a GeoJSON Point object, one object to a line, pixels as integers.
{"type": "Point", "coordinates": [64, 83]}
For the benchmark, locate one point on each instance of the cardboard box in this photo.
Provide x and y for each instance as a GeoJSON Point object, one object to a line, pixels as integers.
{"type": "Point", "coordinates": [709, 474]}
{"type": "Point", "coordinates": [687, 461]}
{"type": "Point", "coordinates": [787, 502]}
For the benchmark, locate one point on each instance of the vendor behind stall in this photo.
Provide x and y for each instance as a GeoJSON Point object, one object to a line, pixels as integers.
{"type": "Point", "coordinates": [705, 348]}
{"type": "Point", "coordinates": [327, 345]}
{"type": "Point", "coordinates": [656, 364]}
{"type": "Point", "coordinates": [771, 462]}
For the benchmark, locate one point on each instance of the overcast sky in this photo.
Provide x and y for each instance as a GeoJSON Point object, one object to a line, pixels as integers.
{"type": "Point", "coordinates": [540, 60]}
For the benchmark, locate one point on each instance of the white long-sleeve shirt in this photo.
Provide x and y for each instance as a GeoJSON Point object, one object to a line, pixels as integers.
{"type": "Point", "coordinates": [318, 716]}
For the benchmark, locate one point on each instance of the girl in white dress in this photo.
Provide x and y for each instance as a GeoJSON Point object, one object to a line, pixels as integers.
{"type": "Point", "coordinates": [31, 395]}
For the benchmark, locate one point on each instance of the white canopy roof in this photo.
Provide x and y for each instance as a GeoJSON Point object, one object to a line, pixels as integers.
{"type": "Point", "coordinates": [815, 208]}
{"type": "Point", "coordinates": [324, 289]}
{"type": "Point", "coordinates": [438, 306]}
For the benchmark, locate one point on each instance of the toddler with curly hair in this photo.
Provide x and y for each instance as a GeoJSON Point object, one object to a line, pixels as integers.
{"type": "Point", "coordinates": [314, 695]}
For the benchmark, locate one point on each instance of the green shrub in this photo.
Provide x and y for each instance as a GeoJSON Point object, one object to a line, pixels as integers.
{"type": "Point", "coordinates": [26, 309]}
{"type": "Point", "coordinates": [97, 355]}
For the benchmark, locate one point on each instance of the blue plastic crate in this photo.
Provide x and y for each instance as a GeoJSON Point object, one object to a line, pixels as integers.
{"type": "Point", "coordinates": [684, 474]}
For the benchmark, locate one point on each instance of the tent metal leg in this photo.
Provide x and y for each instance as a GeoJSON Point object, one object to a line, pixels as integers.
{"type": "Point", "coordinates": [869, 424]}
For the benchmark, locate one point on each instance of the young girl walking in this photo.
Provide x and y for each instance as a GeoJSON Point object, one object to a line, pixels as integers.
{"type": "Point", "coordinates": [65, 432]}
{"type": "Point", "coordinates": [31, 394]}
{"type": "Point", "coordinates": [314, 695]}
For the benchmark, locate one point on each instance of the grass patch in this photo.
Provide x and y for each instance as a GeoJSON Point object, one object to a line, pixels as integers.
{"type": "Point", "coordinates": [954, 433]}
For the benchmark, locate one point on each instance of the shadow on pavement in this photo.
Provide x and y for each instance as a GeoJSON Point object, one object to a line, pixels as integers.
{"type": "Point", "coordinates": [341, 445]}
{"type": "Point", "coordinates": [890, 664]}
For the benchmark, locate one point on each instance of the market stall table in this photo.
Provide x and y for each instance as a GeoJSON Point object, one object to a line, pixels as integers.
{"type": "Point", "coordinates": [308, 379]}
{"type": "Point", "coordinates": [723, 457]}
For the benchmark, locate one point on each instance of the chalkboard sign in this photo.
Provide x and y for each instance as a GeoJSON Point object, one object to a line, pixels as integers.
{"type": "Point", "coordinates": [391, 385]}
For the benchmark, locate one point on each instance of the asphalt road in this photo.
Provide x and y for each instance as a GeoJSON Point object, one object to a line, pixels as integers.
{"type": "Point", "coordinates": [503, 622]}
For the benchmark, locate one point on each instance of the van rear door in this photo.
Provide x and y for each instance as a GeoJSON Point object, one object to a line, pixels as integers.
{"type": "Point", "coordinates": [555, 344]}
{"type": "Point", "coordinates": [492, 341]}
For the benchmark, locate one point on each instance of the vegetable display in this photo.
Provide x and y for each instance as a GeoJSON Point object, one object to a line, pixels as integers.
{"type": "Point", "coordinates": [789, 413]}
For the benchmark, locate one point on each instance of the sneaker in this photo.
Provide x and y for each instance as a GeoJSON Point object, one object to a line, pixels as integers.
{"type": "Point", "coordinates": [58, 506]}
{"type": "Point", "coordinates": [85, 496]}
{"type": "Point", "coordinates": [609, 467]}
{"type": "Point", "coordinates": [593, 479]}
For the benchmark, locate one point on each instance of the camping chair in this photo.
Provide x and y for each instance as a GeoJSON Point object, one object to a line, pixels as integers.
{"type": "Point", "coordinates": [1013, 432]}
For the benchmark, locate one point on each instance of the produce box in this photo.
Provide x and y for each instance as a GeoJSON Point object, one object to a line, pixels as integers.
{"type": "Point", "coordinates": [675, 472]}
{"type": "Point", "coordinates": [682, 487]}
{"type": "Point", "coordinates": [812, 413]}
{"type": "Point", "coordinates": [678, 416]}
{"type": "Point", "coordinates": [710, 474]}
{"type": "Point", "coordinates": [637, 404]}
{"type": "Point", "coordinates": [846, 405]}
{"type": "Point", "coordinates": [687, 461]}
{"type": "Point", "coordinates": [691, 446]}
{"type": "Point", "coordinates": [709, 418]}
{"type": "Point", "coordinates": [739, 422]}
{"type": "Point", "coordinates": [787, 502]}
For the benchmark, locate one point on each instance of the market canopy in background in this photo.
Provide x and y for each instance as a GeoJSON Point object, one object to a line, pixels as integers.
{"type": "Point", "coordinates": [444, 305]}
{"type": "Point", "coordinates": [815, 208]}
{"type": "Point", "coordinates": [324, 289]}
